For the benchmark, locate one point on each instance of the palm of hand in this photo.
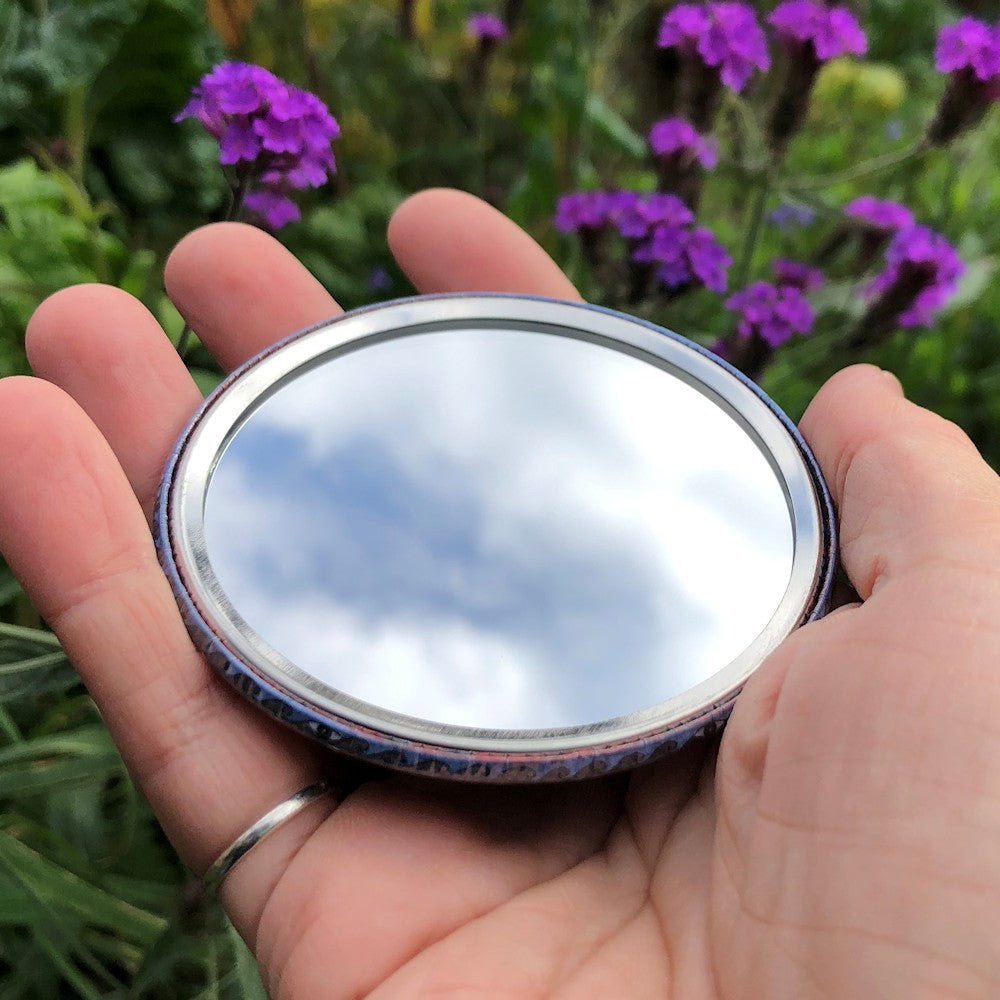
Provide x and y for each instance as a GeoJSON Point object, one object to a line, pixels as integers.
{"type": "Point", "coordinates": [838, 846]}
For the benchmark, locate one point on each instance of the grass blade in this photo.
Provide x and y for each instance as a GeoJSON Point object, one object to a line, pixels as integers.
{"type": "Point", "coordinates": [53, 885]}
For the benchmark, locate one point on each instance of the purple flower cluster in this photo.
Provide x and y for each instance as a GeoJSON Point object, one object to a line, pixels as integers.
{"type": "Point", "coordinates": [969, 44]}
{"type": "Point", "coordinates": [969, 52]}
{"type": "Point", "coordinates": [792, 272]}
{"type": "Point", "coordinates": [631, 213]}
{"type": "Point", "coordinates": [586, 209]}
{"type": "Point", "coordinates": [681, 256]}
{"type": "Point", "coordinates": [660, 228]}
{"type": "Point", "coordinates": [725, 36]}
{"type": "Point", "coordinates": [269, 131]}
{"type": "Point", "coordinates": [922, 260]}
{"type": "Point", "coordinates": [273, 207]}
{"type": "Point", "coordinates": [879, 213]}
{"type": "Point", "coordinates": [833, 31]}
{"type": "Point", "coordinates": [635, 215]}
{"type": "Point", "coordinates": [774, 313]}
{"type": "Point", "coordinates": [677, 137]}
{"type": "Point", "coordinates": [486, 26]}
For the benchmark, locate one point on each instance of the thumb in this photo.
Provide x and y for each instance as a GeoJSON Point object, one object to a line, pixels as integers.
{"type": "Point", "coordinates": [910, 488]}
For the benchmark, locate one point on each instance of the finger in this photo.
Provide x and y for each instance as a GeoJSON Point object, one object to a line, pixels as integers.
{"type": "Point", "coordinates": [72, 531]}
{"type": "Point", "coordinates": [450, 241]}
{"type": "Point", "coordinates": [104, 348]}
{"type": "Point", "coordinates": [910, 487]}
{"type": "Point", "coordinates": [241, 290]}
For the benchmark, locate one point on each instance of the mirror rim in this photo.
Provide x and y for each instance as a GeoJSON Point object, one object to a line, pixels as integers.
{"type": "Point", "coordinates": [179, 520]}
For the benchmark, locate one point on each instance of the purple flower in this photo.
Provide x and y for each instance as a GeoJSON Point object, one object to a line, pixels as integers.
{"type": "Point", "coordinates": [631, 213]}
{"type": "Point", "coordinates": [787, 216]}
{"type": "Point", "coordinates": [879, 212]}
{"type": "Point", "coordinates": [582, 210]}
{"type": "Point", "coordinates": [708, 259]}
{"type": "Point", "coordinates": [682, 255]}
{"type": "Point", "coordinates": [379, 278]}
{"type": "Point", "coordinates": [726, 36]}
{"type": "Point", "coordinates": [792, 272]}
{"type": "Point", "coordinates": [486, 26]}
{"type": "Point", "coordinates": [620, 201]}
{"type": "Point", "coordinates": [811, 33]}
{"type": "Point", "coordinates": [623, 213]}
{"type": "Point", "coordinates": [922, 272]}
{"type": "Point", "coordinates": [969, 52]}
{"type": "Point", "coordinates": [268, 131]}
{"type": "Point", "coordinates": [647, 212]}
{"type": "Point", "coordinates": [832, 31]}
{"type": "Point", "coordinates": [969, 44]}
{"type": "Point", "coordinates": [272, 207]}
{"type": "Point", "coordinates": [677, 137]}
{"type": "Point", "coordinates": [659, 229]}
{"type": "Point", "coordinates": [664, 209]}
{"type": "Point", "coordinates": [773, 312]}
{"type": "Point", "coordinates": [664, 251]}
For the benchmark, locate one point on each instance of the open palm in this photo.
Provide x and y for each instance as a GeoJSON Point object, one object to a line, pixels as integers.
{"type": "Point", "coordinates": [841, 842]}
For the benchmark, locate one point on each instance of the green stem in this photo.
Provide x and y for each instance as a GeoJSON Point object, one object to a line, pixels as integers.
{"type": "Point", "coordinates": [39, 635]}
{"type": "Point", "coordinates": [873, 166]}
{"type": "Point", "coordinates": [74, 125]}
{"type": "Point", "coordinates": [745, 261]}
{"type": "Point", "coordinates": [946, 199]}
{"type": "Point", "coordinates": [237, 195]}
{"type": "Point", "coordinates": [76, 133]}
{"type": "Point", "coordinates": [9, 728]}
{"type": "Point", "coordinates": [752, 132]}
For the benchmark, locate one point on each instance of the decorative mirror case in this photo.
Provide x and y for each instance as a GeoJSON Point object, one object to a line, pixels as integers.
{"type": "Point", "coordinates": [493, 538]}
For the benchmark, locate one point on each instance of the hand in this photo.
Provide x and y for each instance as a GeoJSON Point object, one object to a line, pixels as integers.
{"type": "Point", "coordinates": [842, 842]}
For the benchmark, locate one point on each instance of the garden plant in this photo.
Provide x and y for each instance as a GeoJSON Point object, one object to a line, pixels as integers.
{"type": "Point", "coordinates": [796, 186]}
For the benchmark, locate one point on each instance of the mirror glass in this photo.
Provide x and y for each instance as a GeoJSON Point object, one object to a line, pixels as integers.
{"type": "Point", "coordinates": [498, 528]}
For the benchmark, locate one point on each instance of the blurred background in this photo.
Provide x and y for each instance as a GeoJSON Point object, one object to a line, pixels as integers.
{"type": "Point", "coordinates": [549, 99]}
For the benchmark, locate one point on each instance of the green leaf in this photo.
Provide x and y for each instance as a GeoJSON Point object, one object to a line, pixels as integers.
{"type": "Point", "coordinates": [40, 636]}
{"type": "Point", "coordinates": [23, 182]}
{"type": "Point", "coordinates": [613, 127]}
{"type": "Point", "coordinates": [138, 273]}
{"type": "Point", "coordinates": [247, 971]}
{"type": "Point", "coordinates": [9, 587]}
{"type": "Point", "coordinates": [58, 889]}
{"type": "Point", "coordinates": [206, 380]}
{"type": "Point", "coordinates": [58, 50]}
{"type": "Point", "coordinates": [34, 675]}
{"type": "Point", "coordinates": [39, 765]}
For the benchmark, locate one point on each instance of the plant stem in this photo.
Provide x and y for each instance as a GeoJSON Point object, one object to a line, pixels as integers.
{"type": "Point", "coordinates": [39, 635]}
{"type": "Point", "coordinates": [745, 262]}
{"type": "Point", "coordinates": [873, 166]}
{"type": "Point", "coordinates": [76, 132]}
{"type": "Point", "coordinates": [8, 727]}
{"type": "Point", "coordinates": [237, 195]}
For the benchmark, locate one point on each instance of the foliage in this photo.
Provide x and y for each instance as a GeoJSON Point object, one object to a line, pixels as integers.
{"type": "Point", "coordinates": [97, 182]}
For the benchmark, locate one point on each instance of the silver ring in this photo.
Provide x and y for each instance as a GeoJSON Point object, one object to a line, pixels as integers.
{"type": "Point", "coordinates": [266, 825]}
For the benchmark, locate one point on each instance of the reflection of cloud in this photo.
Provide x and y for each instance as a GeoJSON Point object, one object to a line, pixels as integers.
{"type": "Point", "coordinates": [438, 668]}
{"type": "Point", "coordinates": [514, 523]}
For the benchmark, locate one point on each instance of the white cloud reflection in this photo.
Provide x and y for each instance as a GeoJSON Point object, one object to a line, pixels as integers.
{"type": "Point", "coordinates": [500, 529]}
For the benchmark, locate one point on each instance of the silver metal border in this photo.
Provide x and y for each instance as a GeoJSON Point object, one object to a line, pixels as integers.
{"type": "Point", "coordinates": [230, 407]}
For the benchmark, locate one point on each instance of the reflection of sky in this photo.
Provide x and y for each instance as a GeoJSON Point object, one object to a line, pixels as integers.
{"type": "Point", "coordinates": [498, 529]}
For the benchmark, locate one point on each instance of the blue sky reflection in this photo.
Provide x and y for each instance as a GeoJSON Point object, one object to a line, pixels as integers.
{"type": "Point", "coordinates": [498, 529]}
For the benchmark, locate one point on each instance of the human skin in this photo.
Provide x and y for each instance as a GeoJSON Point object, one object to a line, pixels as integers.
{"type": "Point", "coordinates": [841, 841]}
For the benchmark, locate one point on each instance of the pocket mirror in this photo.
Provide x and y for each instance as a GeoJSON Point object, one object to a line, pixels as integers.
{"type": "Point", "coordinates": [493, 537]}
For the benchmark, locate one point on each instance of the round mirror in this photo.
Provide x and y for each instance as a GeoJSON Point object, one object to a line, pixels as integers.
{"type": "Point", "coordinates": [493, 537]}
